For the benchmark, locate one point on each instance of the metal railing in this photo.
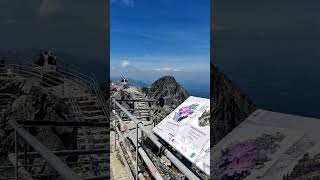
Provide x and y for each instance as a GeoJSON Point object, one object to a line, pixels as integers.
{"type": "Point", "coordinates": [186, 171]}
{"type": "Point", "coordinates": [53, 160]}
{"type": "Point", "coordinates": [15, 69]}
{"type": "Point", "coordinates": [28, 69]}
{"type": "Point", "coordinates": [100, 97]}
{"type": "Point", "coordinates": [139, 150]}
{"type": "Point", "coordinates": [89, 140]}
{"type": "Point", "coordinates": [51, 157]}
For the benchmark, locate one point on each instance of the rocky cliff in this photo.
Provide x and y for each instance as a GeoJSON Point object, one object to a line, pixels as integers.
{"type": "Point", "coordinates": [166, 91]}
{"type": "Point", "coordinates": [33, 103]}
{"type": "Point", "coordinates": [168, 94]}
{"type": "Point", "coordinates": [229, 105]}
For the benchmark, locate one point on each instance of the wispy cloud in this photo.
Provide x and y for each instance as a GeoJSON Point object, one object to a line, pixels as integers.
{"type": "Point", "coordinates": [163, 63]}
{"type": "Point", "coordinates": [168, 69]}
{"type": "Point", "coordinates": [124, 63]}
{"type": "Point", "coordinates": [127, 3]}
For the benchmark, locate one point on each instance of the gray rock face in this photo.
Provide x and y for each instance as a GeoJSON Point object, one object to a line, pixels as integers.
{"type": "Point", "coordinates": [229, 105]}
{"type": "Point", "coordinates": [36, 105]}
{"type": "Point", "coordinates": [166, 91]}
{"type": "Point", "coordinates": [168, 95]}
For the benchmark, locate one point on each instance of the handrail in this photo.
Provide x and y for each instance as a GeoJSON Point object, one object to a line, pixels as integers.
{"type": "Point", "coordinates": [136, 100]}
{"type": "Point", "coordinates": [189, 174]}
{"type": "Point", "coordinates": [59, 65]}
{"type": "Point", "coordinates": [72, 100]}
{"type": "Point", "coordinates": [124, 161]}
{"type": "Point", "coordinates": [61, 70]}
{"type": "Point", "coordinates": [100, 98]}
{"type": "Point", "coordinates": [32, 71]}
{"type": "Point", "coordinates": [37, 76]}
{"type": "Point", "coordinates": [84, 79]}
{"type": "Point", "coordinates": [53, 160]}
{"type": "Point", "coordinates": [79, 113]}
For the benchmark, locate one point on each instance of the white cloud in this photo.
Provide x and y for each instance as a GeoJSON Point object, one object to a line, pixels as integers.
{"type": "Point", "coordinates": [124, 63]}
{"type": "Point", "coordinates": [167, 69]}
{"type": "Point", "coordinates": [128, 3]}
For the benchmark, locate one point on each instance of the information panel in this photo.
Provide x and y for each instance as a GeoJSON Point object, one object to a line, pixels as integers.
{"type": "Point", "coordinates": [187, 129]}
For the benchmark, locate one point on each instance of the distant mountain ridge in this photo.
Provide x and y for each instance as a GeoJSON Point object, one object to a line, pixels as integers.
{"type": "Point", "coordinates": [132, 82]}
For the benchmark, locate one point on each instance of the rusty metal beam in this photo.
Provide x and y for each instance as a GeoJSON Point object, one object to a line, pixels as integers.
{"type": "Point", "coordinates": [123, 127]}
{"type": "Point", "coordinates": [53, 160]}
{"type": "Point", "coordinates": [124, 160]}
{"type": "Point", "coordinates": [155, 173]}
{"type": "Point", "coordinates": [121, 138]}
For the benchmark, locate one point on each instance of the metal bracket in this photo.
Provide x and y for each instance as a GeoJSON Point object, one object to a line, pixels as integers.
{"type": "Point", "coordinates": [137, 147]}
{"type": "Point", "coordinates": [161, 150]}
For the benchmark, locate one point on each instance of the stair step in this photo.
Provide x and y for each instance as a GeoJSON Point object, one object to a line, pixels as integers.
{"type": "Point", "coordinates": [95, 132]}
{"type": "Point", "coordinates": [87, 102]}
{"type": "Point", "coordinates": [92, 112]}
{"type": "Point", "coordinates": [95, 118]}
{"type": "Point", "coordinates": [95, 146]}
{"type": "Point", "coordinates": [90, 108]}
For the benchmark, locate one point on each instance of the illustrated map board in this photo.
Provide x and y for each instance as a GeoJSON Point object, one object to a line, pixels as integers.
{"type": "Point", "coordinates": [187, 129]}
{"type": "Point", "coordinates": [269, 145]}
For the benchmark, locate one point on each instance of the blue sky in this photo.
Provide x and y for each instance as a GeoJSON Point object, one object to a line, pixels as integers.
{"type": "Point", "coordinates": [151, 38]}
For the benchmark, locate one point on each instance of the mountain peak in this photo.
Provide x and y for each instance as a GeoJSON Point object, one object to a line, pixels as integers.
{"type": "Point", "coordinates": [167, 91]}
{"type": "Point", "coordinates": [167, 79]}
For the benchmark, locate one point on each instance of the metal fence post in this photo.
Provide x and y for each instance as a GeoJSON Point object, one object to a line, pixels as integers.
{"type": "Point", "coordinates": [185, 170]}
{"type": "Point", "coordinates": [115, 139]}
{"type": "Point", "coordinates": [16, 151]}
{"type": "Point", "coordinates": [25, 155]}
{"type": "Point", "coordinates": [137, 147]}
{"type": "Point", "coordinates": [63, 86]}
{"type": "Point", "coordinates": [115, 125]}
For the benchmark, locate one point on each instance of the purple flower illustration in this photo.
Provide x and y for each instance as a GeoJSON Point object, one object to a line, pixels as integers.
{"type": "Point", "coordinates": [184, 112]}
{"type": "Point", "coordinates": [239, 159]}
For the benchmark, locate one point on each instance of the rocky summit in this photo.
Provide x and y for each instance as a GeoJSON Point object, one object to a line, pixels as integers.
{"type": "Point", "coordinates": [229, 105]}
{"type": "Point", "coordinates": [167, 94]}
